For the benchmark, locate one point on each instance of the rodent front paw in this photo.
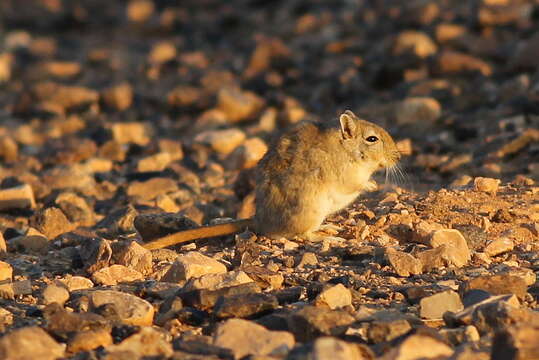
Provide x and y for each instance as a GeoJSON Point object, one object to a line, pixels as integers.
{"type": "Point", "coordinates": [371, 186]}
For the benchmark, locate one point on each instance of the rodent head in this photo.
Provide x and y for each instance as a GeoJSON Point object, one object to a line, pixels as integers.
{"type": "Point", "coordinates": [367, 142]}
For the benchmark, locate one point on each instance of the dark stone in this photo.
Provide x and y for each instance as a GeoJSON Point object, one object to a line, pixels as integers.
{"type": "Point", "coordinates": [245, 305]}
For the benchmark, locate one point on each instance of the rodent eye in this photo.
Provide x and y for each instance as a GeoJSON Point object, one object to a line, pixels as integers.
{"type": "Point", "coordinates": [372, 139]}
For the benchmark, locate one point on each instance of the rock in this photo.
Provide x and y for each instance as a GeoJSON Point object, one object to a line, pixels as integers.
{"type": "Point", "coordinates": [265, 278]}
{"type": "Point", "coordinates": [193, 264]}
{"type": "Point", "coordinates": [115, 274]}
{"type": "Point", "coordinates": [6, 59]}
{"type": "Point", "coordinates": [487, 185]}
{"type": "Point", "coordinates": [526, 55]}
{"type": "Point", "coordinates": [3, 246]}
{"type": "Point", "coordinates": [133, 256]}
{"type": "Point", "coordinates": [150, 189]}
{"type": "Point", "coordinates": [247, 155]}
{"type": "Point", "coordinates": [495, 316]}
{"type": "Point", "coordinates": [380, 331]}
{"type": "Point", "coordinates": [418, 346]}
{"type": "Point", "coordinates": [454, 240]}
{"type": "Point", "coordinates": [448, 32]}
{"type": "Point", "coordinates": [63, 96]}
{"type": "Point", "coordinates": [218, 281]}
{"type": "Point", "coordinates": [61, 69]}
{"type": "Point", "coordinates": [52, 222]}
{"type": "Point", "coordinates": [334, 297]}
{"type": "Point", "coordinates": [403, 263]}
{"type": "Point", "coordinates": [247, 338]}
{"type": "Point", "coordinates": [140, 10]}
{"type": "Point", "coordinates": [451, 62]}
{"type": "Point", "coordinates": [499, 246]}
{"type": "Point", "coordinates": [88, 340]}
{"type": "Point", "coordinates": [237, 104]}
{"type": "Point", "coordinates": [118, 97]}
{"type": "Point", "coordinates": [55, 293]}
{"type": "Point", "coordinates": [497, 285]}
{"type": "Point", "coordinates": [528, 275]}
{"type": "Point", "coordinates": [33, 241]}
{"type": "Point", "coordinates": [63, 323]}
{"type": "Point", "coordinates": [6, 275]}
{"type": "Point", "coordinates": [75, 208]}
{"type": "Point", "coordinates": [73, 283]}
{"type": "Point", "coordinates": [130, 132]}
{"type": "Point", "coordinates": [460, 335]}
{"type": "Point", "coordinates": [30, 342]}
{"type": "Point", "coordinates": [244, 305]}
{"type": "Point", "coordinates": [222, 141]}
{"type": "Point", "coordinates": [434, 306]}
{"type": "Point", "coordinates": [162, 52]}
{"type": "Point", "coordinates": [466, 316]}
{"type": "Point", "coordinates": [9, 150]}
{"type": "Point", "coordinates": [423, 111]}
{"type": "Point", "coordinates": [153, 226]}
{"type": "Point", "coordinates": [157, 162]}
{"type": "Point", "coordinates": [19, 197]}
{"type": "Point", "coordinates": [311, 322]}
{"type": "Point", "coordinates": [415, 42]}
{"type": "Point", "coordinates": [95, 254]}
{"type": "Point", "coordinates": [326, 347]}
{"type": "Point", "coordinates": [184, 95]}
{"type": "Point", "coordinates": [132, 310]}
{"type": "Point", "coordinates": [148, 342]}
{"type": "Point", "coordinates": [444, 255]}
{"type": "Point", "coordinates": [516, 342]}
{"type": "Point", "coordinates": [206, 299]}
{"type": "Point", "coordinates": [307, 259]}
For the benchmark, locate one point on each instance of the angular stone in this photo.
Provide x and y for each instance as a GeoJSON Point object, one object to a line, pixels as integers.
{"type": "Point", "coordinates": [327, 347]}
{"type": "Point", "coordinates": [422, 111]}
{"type": "Point", "coordinates": [162, 52]}
{"type": "Point", "coordinates": [133, 256]}
{"type": "Point", "coordinates": [434, 306]}
{"type": "Point", "coordinates": [152, 226]}
{"type": "Point", "coordinates": [415, 42]}
{"type": "Point", "coordinates": [63, 323]}
{"type": "Point", "coordinates": [193, 264]}
{"type": "Point", "coordinates": [419, 346]}
{"type": "Point", "coordinates": [247, 155]}
{"type": "Point", "coordinates": [75, 208]}
{"type": "Point", "coordinates": [499, 246]}
{"type": "Point", "coordinates": [88, 340]}
{"type": "Point", "coordinates": [119, 97]}
{"type": "Point", "coordinates": [63, 96]}
{"type": "Point", "coordinates": [30, 343]}
{"type": "Point", "coordinates": [218, 281]}
{"type": "Point", "coordinates": [386, 330]}
{"type": "Point", "coordinates": [73, 283]}
{"type": "Point", "coordinates": [132, 309]}
{"type": "Point", "coordinates": [55, 293]}
{"type": "Point", "coordinates": [52, 222]}
{"type": "Point", "coordinates": [205, 299]}
{"type": "Point", "coordinates": [150, 189]}
{"type": "Point", "coordinates": [487, 185]}
{"type": "Point", "coordinates": [335, 297]}
{"type": "Point", "coordinates": [115, 274]}
{"type": "Point", "coordinates": [118, 222]}
{"type": "Point", "coordinates": [95, 254]}
{"type": "Point", "coordinates": [403, 263]}
{"type": "Point", "coordinates": [451, 62]}
{"type": "Point", "coordinates": [6, 275]}
{"type": "Point", "coordinates": [3, 245]}
{"type": "Point", "coordinates": [265, 278]}
{"type": "Point", "coordinates": [497, 285]}
{"type": "Point", "coordinates": [238, 105]}
{"type": "Point", "coordinates": [18, 197]}
{"type": "Point", "coordinates": [156, 162]}
{"type": "Point", "coordinates": [247, 338]}
{"type": "Point", "coordinates": [131, 132]}
{"type": "Point", "coordinates": [244, 305]}
{"type": "Point", "coordinates": [492, 317]}
{"type": "Point", "coordinates": [307, 259]}
{"type": "Point", "coordinates": [148, 342]}
{"type": "Point", "coordinates": [465, 317]}
{"type": "Point", "coordinates": [33, 241]}
{"type": "Point", "coordinates": [311, 322]}
{"type": "Point", "coordinates": [518, 342]}
{"type": "Point", "coordinates": [222, 141]}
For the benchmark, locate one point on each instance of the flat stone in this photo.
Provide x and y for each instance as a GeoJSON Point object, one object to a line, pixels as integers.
{"type": "Point", "coordinates": [311, 322]}
{"type": "Point", "coordinates": [465, 317]}
{"type": "Point", "coordinates": [379, 331]}
{"type": "Point", "coordinates": [206, 299]}
{"type": "Point", "coordinates": [422, 111]}
{"type": "Point", "coordinates": [434, 306]}
{"type": "Point", "coordinates": [222, 141]}
{"type": "Point", "coordinates": [247, 155]}
{"type": "Point", "coordinates": [89, 340]}
{"type": "Point", "coordinates": [6, 275]}
{"type": "Point", "coordinates": [55, 293]}
{"type": "Point", "coordinates": [452, 62]}
{"type": "Point", "coordinates": [419, 346]}
{"type": "Point", "coordinates": [156, 162]}
{"type": "Point", "coordinates": [335, 297]}
{"type": "Point", "coordinates": [403, 263]}
{"type": "Point", "coordinates": [499, 246]}
{"type": "Point", "coordinates": [244, 305]}
{"type": "Point", "coordinates": [132, 309]}
{"type": "Point", "coordinates": [62, 323]}
{"type": "Point", "coordinates": [217, 281]}
{"type": "Point", "coordinates": [73, 283]}
{"type": "Point", "coordinates": [247, 338]}
{"type": "Point", "coordinates": [327, 347]}
{"type": "Point", "coordinates": [150, 189]}
{"type": "Point", "coordinates": [130, 132]}
{"type": "Point", "coordinates": [30, 343]}
{"type": "Point", "coordinates": [148, 342]}
{"type": "Point", "coordinates": [193, 264]}
{"type": "Point", "coordinates": [18, 197]}
{"type": "Point", "coordinates": [487, 185]}
{"type": "Point", "coordinates": [115, 274]}
{"type": "Point", "coordinates": [415, 42]}
{"type": "Point", "coordinates": [238, 105]}
{"type": "Point", "coordinates": [265, 278]}
{"type": "Point", "coordinates": [152, 226]}
{"type": "Point", "coordinates": [497, 285]}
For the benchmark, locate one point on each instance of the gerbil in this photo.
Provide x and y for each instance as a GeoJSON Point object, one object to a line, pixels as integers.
{"type": "Point", "coordinates": [310, 172]}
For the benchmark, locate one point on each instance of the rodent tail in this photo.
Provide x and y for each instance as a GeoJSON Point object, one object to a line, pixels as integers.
{"type": "Point", "coordinates": [199, 233]}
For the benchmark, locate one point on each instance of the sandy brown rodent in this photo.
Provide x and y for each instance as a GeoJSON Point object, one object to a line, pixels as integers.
{"type": "Point", "coordinates": [309, 172]}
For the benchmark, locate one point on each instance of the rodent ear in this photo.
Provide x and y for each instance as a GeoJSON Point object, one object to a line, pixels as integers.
{"type": "Point", "coordinates": [348, 125]}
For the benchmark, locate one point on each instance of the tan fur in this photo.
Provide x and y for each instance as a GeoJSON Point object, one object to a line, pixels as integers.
{"type": "Point", "coordinates": [310, 172]}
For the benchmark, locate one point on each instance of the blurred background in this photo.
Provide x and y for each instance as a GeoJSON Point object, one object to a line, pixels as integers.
{"type": "Point", "coordinates": [455, 82]}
